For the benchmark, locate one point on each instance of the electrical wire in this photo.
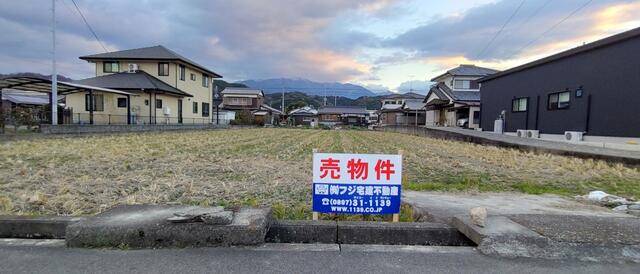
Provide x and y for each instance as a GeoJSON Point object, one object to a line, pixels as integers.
{"type": "Point", "coordinates": [95, 35]}
{"type": "Point", "coordinates": [480, 55]}
{"type": "Point", "coordinates": [523, 23]}
{"type": "Point", "coordinates": [556, 25]}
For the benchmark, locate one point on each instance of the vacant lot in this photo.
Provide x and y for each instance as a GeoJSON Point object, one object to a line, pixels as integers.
{"type": "Point", "coordinates": [82, 175]}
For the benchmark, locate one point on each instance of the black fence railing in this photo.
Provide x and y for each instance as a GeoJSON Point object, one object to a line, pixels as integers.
{"type": "Point", "coordinates": [117, 119]}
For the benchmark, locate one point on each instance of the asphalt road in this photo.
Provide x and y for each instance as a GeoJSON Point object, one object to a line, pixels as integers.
{"type": "Point", "coordinates": [19, 256]}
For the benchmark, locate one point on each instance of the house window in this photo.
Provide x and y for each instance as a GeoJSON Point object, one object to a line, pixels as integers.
{"type": "Point", "coordinates": [158, 103]}
{"type": "Point", "coordinates": [239, 101]}
{"type": "Point", "coordinates": [205, 80]}
{"type": "Point", "coordinates": [110, 67]}
{"type": "Point", "coordinates": [146, 102]}
{"type": "Point", "coordinates": [476, 117]}
{"type": "Point", "coordinates": [462, 84]}
{"type": "Point", "coordinates": [519, 104]}
{"type": "Point", "coordinates": [122, 102]}
{"type": "Point", "coordinates": [98, 102]}
{"type": "Point", "coordinates": [182, 72]}
{"type": "Point", "coordinates": [195, 107]}
{"type": "Point", "coordinates": [475, 84]}
{"type": "Point", "coordinates": [205, 109]}
{"type": "Point", "coordinates": [193, 77]}
{"type": "Point", "coordinates": [560, 100]}
{"type": "Point", "coordinates": [163, 69]}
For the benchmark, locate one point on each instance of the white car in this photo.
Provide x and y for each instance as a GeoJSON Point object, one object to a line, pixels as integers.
{"type": "Point", "coordinates": [464, 122]}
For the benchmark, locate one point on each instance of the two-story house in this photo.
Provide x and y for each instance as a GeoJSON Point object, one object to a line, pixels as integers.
{"type": "Point", "coordinates": [392, 111]}
{"type": "Point", "coordinates": [170, 88]}
{"type": "Point", "coordinates": [455, 98]}
{"type": "Point", "coordinates": [247, 101]}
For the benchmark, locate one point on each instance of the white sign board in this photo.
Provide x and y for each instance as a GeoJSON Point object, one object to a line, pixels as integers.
{"type": "Point", "coordinates": [357, 183]}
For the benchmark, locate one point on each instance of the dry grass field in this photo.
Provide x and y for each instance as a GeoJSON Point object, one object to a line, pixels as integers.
{"type": "Point", "coordinates": [88, 174]}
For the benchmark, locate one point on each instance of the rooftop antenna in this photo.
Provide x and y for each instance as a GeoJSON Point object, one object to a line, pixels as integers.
{"type": "Point", "coordinates": [54, 73]}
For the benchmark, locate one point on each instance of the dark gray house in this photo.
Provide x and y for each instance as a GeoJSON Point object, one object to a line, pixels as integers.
{"type": "Point", "coordinates": [593, 89]}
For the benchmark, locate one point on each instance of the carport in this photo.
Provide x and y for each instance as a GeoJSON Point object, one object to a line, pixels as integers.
{"type": "Point", "coordinates": [43, 85]}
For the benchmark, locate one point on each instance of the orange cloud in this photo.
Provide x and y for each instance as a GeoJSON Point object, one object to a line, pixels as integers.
{"type": "Point", "coordinates": [618, 17]}
{"type": "Point", "coordinates": [606, 22]}
{"type": "Point", "coordinates": [331, 63]}
{"type": "Point", "coordinates": [443, 63]}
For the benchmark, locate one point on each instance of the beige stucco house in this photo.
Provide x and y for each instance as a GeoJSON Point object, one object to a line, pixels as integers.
{"type": "Point", "coordinates": [455, 98]}
{"type": "Point", "coordinates": [169, 87]}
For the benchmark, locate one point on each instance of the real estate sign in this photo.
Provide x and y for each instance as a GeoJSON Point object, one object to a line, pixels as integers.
{"type": "Point", "coordinates": [356, 183]}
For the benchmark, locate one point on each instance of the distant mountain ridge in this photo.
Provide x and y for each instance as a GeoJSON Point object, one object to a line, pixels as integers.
{"type": "Point", "coordinates": [309, 87]}
{"type": "Point", "coordinates": [36, 75]}
{"type": "Point", "coordinates": [299, 99]}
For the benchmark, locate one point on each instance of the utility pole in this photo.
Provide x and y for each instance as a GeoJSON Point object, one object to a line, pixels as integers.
{"type": "Point", "coordinates": [282, 87]}
{"type": "Point", "coordinates": [54, 73]}
{"type": "Point", "coordinates": [324, 93]}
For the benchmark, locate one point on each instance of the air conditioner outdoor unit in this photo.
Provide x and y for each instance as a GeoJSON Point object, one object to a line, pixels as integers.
{"type": "Point", "coordinates": [166, 111]}
{"type": "Point", "coordinates": [573, 136]}
{"type": "Point", "coordinates": [522, 133]}
{"type": "Point", "coordinates": [133, 68]}
{"type": "Point", "coordinates": [533, 133]}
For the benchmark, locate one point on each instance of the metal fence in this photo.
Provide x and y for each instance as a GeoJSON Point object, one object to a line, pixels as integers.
{"type": "Point", "coordinates": [116, 119]}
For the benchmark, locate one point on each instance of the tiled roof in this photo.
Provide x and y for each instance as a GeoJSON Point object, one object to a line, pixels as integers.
{"type": "Point", "coordinates": [132, 81]}
{"type": "Point", "coordinates": [343, 110]}
{"type": "Point", "coordinates": [444, 92]}
{"type": "Point", "coordinates": [408, 95]}
{"type": "Point", "coordinates": [467, 70]}
{"type": "Point", "coordinates": [304, 111]}
{"type": "Point", "coordinates": [413, 105]}
{"type": "Point", "coordinates": [268, 108]}
{"type": "Point", "coordinates": [149, 53]}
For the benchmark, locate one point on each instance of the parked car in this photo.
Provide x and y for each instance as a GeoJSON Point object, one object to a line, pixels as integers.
{"type": "Point", "coordinates": [464, 122]}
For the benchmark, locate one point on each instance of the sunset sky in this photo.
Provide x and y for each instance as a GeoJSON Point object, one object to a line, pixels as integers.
{"type": "Point", "coordinates": [381, 44]}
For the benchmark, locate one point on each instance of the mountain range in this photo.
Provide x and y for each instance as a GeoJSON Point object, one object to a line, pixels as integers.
{"type": "Point", "coordinates": [312, 88]}
{"type": "Point", "coordinates": [36, 75]}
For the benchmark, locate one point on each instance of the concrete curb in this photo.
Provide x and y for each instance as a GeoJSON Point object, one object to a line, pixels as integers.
{"type": "Point", "coordinates": [40, 227]}
{"type": "Point", "coordinates": [146, 226]}
{"type": "Point", "coordinates": [503, 237]}
{"type": "Point", "coordinates": [86, 232]}
{"type": "Point", "coordinates": [400, 234]}
{"type": "Point", "coordinates": [380, 233]}
{"type": "Point", "coordinates": [307, 232]}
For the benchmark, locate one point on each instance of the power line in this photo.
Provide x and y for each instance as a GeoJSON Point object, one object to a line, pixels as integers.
{"type": "Point", "coordinates": [89, 26]}
{"type": "Point", "coordinates": [556, 25]}
{"type": "Point", "coordinates": [523, 23]}
{"type": "Point", "coordinates": [501, 29]}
